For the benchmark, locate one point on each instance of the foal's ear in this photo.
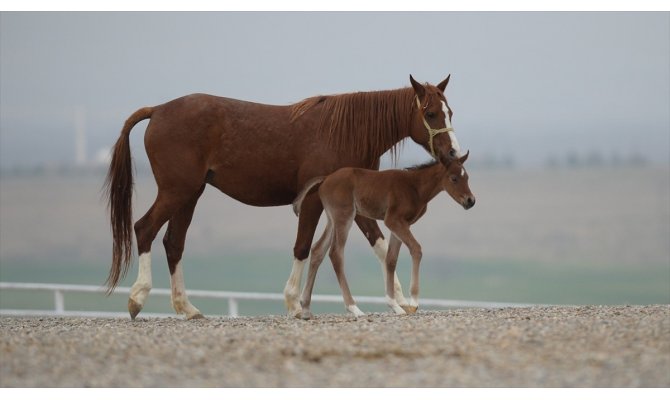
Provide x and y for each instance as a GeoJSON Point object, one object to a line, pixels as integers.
{"type": "Point", "coordinates": [443, 85]}
{"type": "Point", "coordinates": [465, 157]}
{"type": "Point", "coordinates": [418, 88]}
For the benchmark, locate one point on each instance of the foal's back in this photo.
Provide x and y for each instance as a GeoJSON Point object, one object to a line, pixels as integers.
{"type": "Point", "coordinates": [363, 191]}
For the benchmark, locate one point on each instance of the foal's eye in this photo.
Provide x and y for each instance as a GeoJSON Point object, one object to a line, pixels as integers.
{"type": "Point", "coordinates": [453, 179]}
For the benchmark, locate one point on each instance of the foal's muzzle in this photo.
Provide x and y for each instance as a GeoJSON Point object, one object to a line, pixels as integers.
{"type": "Point", "coordinates": [468, 202]}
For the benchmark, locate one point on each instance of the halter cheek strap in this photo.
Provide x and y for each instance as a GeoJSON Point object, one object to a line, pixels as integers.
{"type": "Point", "coordinates": [432, 132]}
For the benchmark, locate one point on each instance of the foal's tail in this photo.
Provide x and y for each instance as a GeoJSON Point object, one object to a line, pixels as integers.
{"type": "Point", "coordinates": [119, 190]}
{"type": "Point", "coordinates": [305, 190]}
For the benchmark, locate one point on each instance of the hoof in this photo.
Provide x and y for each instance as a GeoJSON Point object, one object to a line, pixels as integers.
{"type": "Point", "coordinates": [134, 308]}
{"type": "Point", "coordinates": [399, 311]}
{"type": "Point", "coordinates": [355, 311]}
{"type": "Point", "coordinates": [410, 309]}
{"type": "Point", "coordinates": [196, 316]}
{"type": "Point", "coordinates": [295, 311]}
{"type": "Point", "coordinates": [306, 315]}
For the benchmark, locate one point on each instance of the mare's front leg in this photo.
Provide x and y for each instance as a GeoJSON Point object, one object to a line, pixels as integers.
{"type": "Point", "coordinates": [307, 221]}
{"type": "Point", "coordinates": [374, 235]}
{"type": "Point", "coordinates": [400, 229]}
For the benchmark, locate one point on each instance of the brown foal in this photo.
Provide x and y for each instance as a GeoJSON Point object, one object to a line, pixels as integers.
{"type": "Point", "coordinates": [399, 198]}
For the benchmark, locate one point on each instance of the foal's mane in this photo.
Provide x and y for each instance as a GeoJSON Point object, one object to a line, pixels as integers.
{"type": "Point", "coordinates": [367, 123]}
{"type": "Point", "coordinates": [425, 165]}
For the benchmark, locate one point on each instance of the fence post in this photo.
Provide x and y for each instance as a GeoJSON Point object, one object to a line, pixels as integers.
{"type": "Point", "coordinates": [59, 302]}
{"type": "Point", "coordinates": [232, 307]}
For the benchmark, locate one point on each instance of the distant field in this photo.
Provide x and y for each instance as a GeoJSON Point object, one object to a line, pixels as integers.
{"type": "Point", "coordinates": [588, 236]}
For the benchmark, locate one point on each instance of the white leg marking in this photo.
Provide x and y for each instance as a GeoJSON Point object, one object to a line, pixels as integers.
{"type": "Point", "coordinates": [355, 310]}
{"type": "Point", "coordinates": [180, 301]}
{"type": "Point", "coordinates": [292, 288]}
{"type": "Point", "coordinates": [142, 286]}
{"type": "Point", "coordinates": [395, 306]}
{"type": "Point", "coordinates": [381, 248]}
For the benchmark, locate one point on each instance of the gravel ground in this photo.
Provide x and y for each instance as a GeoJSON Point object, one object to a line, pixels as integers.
{"type": "Point", "coordinates": [592, 346]}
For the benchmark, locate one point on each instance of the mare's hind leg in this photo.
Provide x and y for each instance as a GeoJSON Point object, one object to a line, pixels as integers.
{"type": "Point", "coordinates": [173, 241]}
{"type": "Point", "coordinates": [146, 228]}
{"type": "Point", "coordinates": [374, 235]}
{"type": "Point", "coordinates": [341, 224]}
{"type": "Point", "coordinates": [307, 221]}
{"type": "Point", "coordinates": [318, 253]}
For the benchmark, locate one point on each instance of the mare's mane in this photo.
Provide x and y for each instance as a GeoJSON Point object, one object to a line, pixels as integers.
{"type": "Point", "coordinates": [367, 123]}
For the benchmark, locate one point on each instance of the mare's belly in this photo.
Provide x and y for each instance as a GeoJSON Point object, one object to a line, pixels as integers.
{"type": "Point", "coordinates": [259, 190]}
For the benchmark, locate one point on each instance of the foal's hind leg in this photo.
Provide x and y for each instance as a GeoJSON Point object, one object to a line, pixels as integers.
{"type": "Point", "coordinates": [173, 241]}
{"type": "Point", "coordinates": [341, 224]}
{"type": "Point", "coordinates": [375, 237]}
{"type": "Point", "coordinates": [307, 221]}
{"type": "Point", "coordinates": [146, 228]}
{"type": "Point", "coordinates": [391, 261]}
{"type": "Point", "coordinates": [318, 253]}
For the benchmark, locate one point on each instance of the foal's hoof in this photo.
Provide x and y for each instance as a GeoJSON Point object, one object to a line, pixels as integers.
{"type": "Point", "coordinates": [306, 315]}
{"type": "Point", "coordinates": [410, 309]}
{"type": "Point", "coordinates": [195, 316]}
{"type": "Point", "coordinates": [134, 308]}
{"type": "Point", "coordinates": [295, 312]}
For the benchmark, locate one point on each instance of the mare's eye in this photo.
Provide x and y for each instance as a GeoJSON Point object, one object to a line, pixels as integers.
{"type": "Point", "coordinates": [430, 114]}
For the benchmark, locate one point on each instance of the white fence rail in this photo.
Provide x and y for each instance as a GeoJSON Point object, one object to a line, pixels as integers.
{"type": "Point", "coordinates": [232, 298]}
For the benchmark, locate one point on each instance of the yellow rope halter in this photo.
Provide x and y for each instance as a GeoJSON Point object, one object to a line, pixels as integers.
{"type": "Point", "coordinates": [432, 132]}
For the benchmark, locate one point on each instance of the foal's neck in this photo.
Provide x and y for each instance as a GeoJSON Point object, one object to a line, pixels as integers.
{"type": "Point", "coordinates": [428, 181]}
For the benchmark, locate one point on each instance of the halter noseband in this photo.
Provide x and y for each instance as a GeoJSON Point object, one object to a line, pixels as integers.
{"type": "Point", "coordinates": [432, 132]}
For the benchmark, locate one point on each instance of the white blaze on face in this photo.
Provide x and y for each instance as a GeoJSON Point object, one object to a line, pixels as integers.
{"type": "Point", "coordinates": [452, 135]}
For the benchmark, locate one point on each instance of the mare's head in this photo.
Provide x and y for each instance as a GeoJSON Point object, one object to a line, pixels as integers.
{"type": "Point", "coordinates": [431, 121]}
{"type": "Point", "coordinates": [455, 182]}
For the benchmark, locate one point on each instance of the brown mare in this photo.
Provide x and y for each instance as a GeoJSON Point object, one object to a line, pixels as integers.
{"type": "Point", "coordinates": [399, 198]}
{"type": "Point", "coordinates": [260, 155]}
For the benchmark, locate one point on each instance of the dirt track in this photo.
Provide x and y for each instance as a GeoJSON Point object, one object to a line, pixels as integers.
{"type": "Point", "coordinates": [539, 347]}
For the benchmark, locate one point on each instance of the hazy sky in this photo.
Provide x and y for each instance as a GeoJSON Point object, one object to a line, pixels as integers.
{"type": "Point", "coordinates": [530, 85]}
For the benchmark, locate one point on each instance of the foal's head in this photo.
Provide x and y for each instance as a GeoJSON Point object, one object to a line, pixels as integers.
{"type": "Point", "coordinates": [455, 182]}
{"type": "Point", "coordinates": [431, 121]}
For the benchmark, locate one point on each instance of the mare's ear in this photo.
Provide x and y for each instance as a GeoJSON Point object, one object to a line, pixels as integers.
{"type": "Point", "coordinates": [443, 85]}
{"type": "Point", "coordinates": [418, 88]}
{"type": "Point", "coordinates": [465, 157]}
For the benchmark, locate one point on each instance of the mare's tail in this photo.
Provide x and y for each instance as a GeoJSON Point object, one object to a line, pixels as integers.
{"type": "Point", "coordinates": [118, 190]}
{"type": "Point", "coordinates": [311, 184]}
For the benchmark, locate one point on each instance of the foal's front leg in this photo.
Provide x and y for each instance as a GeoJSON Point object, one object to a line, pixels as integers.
{"type": "Point", "coordinates": [402, 232]}
{"type": "Point", "coordinates": [374, 236]}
